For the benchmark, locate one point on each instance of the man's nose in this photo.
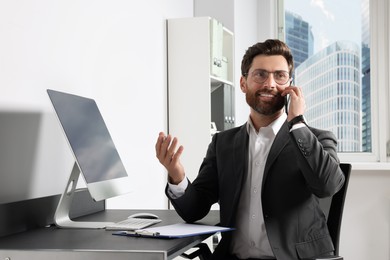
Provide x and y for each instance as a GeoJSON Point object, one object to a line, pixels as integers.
{"type": "Point", "coordinates": [270, 81]}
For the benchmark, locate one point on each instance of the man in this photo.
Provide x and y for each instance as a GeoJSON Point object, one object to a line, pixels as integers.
{"type": "Point", "coordinates": [266, 175]}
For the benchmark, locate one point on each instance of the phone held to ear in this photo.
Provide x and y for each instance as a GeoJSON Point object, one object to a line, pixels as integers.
{"type": "Point", "coordinates": [287, 98]}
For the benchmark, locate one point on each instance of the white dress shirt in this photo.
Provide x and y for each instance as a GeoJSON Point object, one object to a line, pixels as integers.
{"type": "Point", "coordinates": [250, 239]}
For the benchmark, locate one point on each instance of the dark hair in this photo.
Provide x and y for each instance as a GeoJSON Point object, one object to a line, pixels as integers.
{"type": "Point", "coordinates": [268, 48]}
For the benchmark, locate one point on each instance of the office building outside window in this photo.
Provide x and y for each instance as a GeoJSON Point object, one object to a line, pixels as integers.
{"type": "Point", "coordinates": [299, 37]}
{"type": "Point", "coordinates": [331, 83]}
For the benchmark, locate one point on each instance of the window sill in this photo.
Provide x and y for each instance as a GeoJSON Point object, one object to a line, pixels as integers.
{"type": "Point", "coordinates": [369, 167]}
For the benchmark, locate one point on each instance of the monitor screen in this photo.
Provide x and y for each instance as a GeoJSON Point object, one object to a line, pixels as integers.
{"type": "Point", "coordinates": [92, 146]}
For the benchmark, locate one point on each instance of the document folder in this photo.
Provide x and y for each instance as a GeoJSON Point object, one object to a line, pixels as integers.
{"type": "Point", "coordinates": [178, 230]}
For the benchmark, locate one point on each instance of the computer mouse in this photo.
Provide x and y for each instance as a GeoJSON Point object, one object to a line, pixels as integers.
{"type": "Point", "coordinates": [144, 215]}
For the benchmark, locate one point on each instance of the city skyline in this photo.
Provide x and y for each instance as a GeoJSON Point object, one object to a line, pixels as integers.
{"type": "Point", "coordinates": [330, 20]}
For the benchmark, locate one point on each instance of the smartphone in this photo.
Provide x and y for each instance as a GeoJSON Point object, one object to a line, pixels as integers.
{"type": "Point", "coordinates": [287, 99]}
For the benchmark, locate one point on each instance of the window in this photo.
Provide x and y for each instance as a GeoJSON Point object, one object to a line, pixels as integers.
{"type": "Point", "coordinates": [334, 59]}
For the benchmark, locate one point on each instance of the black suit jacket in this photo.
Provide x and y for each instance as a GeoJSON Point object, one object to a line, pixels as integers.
{"type": "Point", "coordinates": [302, 165]}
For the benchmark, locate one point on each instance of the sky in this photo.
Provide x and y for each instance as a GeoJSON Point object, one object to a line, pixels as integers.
{"type": "Point", "coordinates": [330, 20]}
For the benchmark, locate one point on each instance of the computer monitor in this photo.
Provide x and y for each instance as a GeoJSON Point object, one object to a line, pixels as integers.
{"type": "Point", "coordinates": [96, 156]}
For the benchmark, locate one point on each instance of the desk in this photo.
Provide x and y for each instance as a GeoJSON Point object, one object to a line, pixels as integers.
{"type": "Point", "coordinates": [60, 244]}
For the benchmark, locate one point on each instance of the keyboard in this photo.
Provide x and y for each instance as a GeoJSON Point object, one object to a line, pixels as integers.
{"type": "Point", "coordinates": [132, 224]}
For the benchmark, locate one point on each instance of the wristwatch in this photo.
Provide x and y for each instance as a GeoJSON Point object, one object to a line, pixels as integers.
{"type": "Point", "coordinates": [295, 120]}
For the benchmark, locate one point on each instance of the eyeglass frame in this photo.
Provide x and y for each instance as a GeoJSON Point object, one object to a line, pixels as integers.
{"type": "Point", "coordinates": [268, 72]}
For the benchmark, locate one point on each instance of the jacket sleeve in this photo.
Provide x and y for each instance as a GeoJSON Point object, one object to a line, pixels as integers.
{"type": "Point", "coordinates": [200, 195]}
{"type": "Point", "coordinates": [317, 158]}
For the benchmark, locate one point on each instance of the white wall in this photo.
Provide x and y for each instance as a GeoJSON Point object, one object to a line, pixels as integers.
{"type": "Point", "coordinates": [246, 26]}
{"type": "Point", "coordinates": [365, 230]}
{"type": "Point", "coordinates": [213, 9]}
{"type": "Point", "coordinates": [112, 51]}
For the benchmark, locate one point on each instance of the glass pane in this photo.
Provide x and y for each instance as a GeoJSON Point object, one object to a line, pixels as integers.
{"type": "Point", "coordinates": [331, 48]}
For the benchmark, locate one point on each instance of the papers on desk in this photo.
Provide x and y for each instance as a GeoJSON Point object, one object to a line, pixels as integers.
{"type": "Point", "coordinates": [178, 230]}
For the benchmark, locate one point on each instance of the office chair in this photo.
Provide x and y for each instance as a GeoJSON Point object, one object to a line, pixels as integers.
{"type": "Point", "coordinates": [333, 208]}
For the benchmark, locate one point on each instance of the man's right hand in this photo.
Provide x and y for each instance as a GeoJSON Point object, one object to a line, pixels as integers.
{"type": "Point", "coordinates": [169, 157]}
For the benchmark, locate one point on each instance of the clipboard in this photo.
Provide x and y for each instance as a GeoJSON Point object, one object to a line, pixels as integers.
{"type": "Point", "coordinates": [179, 230]}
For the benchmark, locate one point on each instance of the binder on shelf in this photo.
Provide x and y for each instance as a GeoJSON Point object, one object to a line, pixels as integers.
{"type": "Point", "coordinates": [179, 230]}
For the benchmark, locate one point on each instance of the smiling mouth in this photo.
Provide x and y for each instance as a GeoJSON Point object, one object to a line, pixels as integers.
{"type": "Point", "coordinates": [266, 95]}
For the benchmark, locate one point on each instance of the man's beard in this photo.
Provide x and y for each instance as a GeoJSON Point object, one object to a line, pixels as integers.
{"type": "Point", "coordinates": [264, 107]}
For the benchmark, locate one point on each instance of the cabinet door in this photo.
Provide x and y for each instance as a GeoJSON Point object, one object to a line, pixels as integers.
{"type": "Point", "coordinates": [191, 79]}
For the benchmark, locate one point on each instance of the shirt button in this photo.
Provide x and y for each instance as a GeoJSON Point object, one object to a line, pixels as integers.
{"type": "Point", "coordinates": [257, 163]}
{"type": "Point", "coordinates": [253, 216]}
{"type": "Point", "coordinates": [255, 190]}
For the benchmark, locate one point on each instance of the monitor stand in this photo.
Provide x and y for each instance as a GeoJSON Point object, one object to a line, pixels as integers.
{"type": "Point", "coordinates": [61, 216]}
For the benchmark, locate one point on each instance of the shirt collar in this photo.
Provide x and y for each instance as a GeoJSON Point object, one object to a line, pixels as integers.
{"type": "Point", "coordinates": [275, 125]}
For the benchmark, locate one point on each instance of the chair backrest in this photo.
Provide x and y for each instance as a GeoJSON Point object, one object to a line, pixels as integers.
{"type": "Point", "coordinates": [334, 206]}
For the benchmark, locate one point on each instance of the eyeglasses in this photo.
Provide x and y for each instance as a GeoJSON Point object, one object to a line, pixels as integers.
{"type": "Point", "coordinates": [281, 77]}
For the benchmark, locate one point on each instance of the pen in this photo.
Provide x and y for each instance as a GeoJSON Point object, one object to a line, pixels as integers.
{"type": "Point", "coordinates": [142, 232]}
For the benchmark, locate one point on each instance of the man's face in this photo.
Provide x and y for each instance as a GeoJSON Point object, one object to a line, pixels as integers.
{"type": "Point", "coordinates": [265, 97]}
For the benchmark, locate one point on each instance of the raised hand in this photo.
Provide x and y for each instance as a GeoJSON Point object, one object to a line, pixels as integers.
{"type": "Point", "coordinates": [169, 156]}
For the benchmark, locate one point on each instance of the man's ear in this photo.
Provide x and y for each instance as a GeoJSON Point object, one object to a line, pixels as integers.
{"type": "Point", "coordinates": [243, 85]}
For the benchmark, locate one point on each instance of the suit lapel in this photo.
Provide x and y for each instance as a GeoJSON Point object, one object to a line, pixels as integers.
{"type": "Point", "coordinates": [240, 155]}
{"type": "Point", "coordinates": [281, 139]}
{"type": "Point", "coordinates": [240, 158]}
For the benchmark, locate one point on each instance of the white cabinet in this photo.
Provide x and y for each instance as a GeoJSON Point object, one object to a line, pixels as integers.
{"type": "Point", "coordinates": [200, 61]}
